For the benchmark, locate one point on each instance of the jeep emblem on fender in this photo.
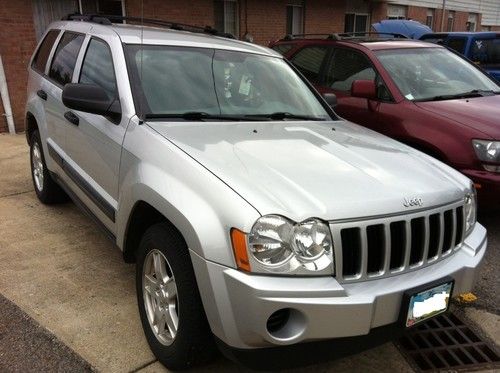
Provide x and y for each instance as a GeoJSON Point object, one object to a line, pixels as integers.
{"type": "Point", "coordinates": [410, 202]}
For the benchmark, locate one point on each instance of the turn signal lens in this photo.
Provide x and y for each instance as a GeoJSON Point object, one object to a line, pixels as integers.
{"type": "Point", "coordinates": [239, 242]}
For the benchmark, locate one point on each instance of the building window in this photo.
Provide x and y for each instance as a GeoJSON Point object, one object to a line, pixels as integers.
{"type": "Point", "coordinates": [226, 16]}
{"type": "Point", "coordinates": [356, 22]}
{"type": "Point", "coordinates": [108, 7]}
{"type": "Point", "coordinates": [429, 20]}
{"type": "Point", "coordinates": [294, 19]}
{"type": "Point", "coordinates": [472, 22]}
{"type": "Point", "coordinates": [396, 12]}
{"type": "Point", "coordinates": [485, 28]}
{"type": "Point", "coordinates": [451, 20]}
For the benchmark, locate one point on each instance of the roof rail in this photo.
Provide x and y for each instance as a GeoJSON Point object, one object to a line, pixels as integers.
{"type": "Point", "coordinates": [333, 36]}
{"type": "Point", "coordinates": [108, 20]}
{"type": "Point", "coordinates": [345, 35]}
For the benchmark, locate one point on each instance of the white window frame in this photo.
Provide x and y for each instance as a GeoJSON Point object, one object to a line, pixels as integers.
{"type": "Point", "coordinates": [367, 26]}
{"type": "Point", "coordinates": [397, 11]}
{"type": "Point", "coordinates": [295, 6]}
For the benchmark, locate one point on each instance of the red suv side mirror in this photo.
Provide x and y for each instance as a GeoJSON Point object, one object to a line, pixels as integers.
{"type": "Point", "coordinates": [364, 89]}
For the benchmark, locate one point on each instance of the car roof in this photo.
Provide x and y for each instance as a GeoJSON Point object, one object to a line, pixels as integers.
{"type": "Point", "coordinates": [137, 34]}
{"type": "Point", "coordinates": [375, 44]}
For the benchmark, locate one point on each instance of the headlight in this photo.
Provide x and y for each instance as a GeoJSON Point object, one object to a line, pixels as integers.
{"type": "Point", "coordinates": [470, 210]}
{"type": "Point", "coordinates": [280, 246]}
{"type": "Point", "coordinates": [487, 151]}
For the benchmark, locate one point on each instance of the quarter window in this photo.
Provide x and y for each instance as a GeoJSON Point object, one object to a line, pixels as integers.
{"type": "Point", "coordinates": [42, 55]}
{"type": "Point", "coordinates": [309, 61]}
{"type": "Point", "coordinates": [63, 64]}
{"type": "Point", "coordinates": [98, 68]}
{"type": "Point", "coordinates": [345, 67]}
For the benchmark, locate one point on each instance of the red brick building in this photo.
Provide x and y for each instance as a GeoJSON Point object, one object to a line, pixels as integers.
{"type": "Point", "coordinates": [22, 22]}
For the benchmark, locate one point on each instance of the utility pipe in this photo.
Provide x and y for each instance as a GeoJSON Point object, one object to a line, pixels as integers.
{"type": "Point", "coordinates": [4, 91]}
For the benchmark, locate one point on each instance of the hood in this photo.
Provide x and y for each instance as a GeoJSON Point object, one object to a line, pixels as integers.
{"type": "Point", "coordinates": [328, 170]}
{"type": "Point", "coordinates": [409, 28]}
{"type": "Point", "coordinates": [479, 113]}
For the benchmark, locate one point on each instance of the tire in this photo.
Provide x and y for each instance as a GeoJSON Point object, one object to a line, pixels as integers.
{"type": "Point", "coordinates": [192, 342]}
{"type": "Point", "coordinates": [46, 189]}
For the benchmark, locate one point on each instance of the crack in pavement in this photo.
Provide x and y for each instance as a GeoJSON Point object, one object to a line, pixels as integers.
{"type": "Point", "coordinates": [15, 194]}
{"type": "Point", "coordinates": [143, 366]}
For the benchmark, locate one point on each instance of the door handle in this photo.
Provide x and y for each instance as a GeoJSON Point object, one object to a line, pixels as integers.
{"type": "Point", "coordinates": [41, 93]}
{"type": "Point", "coordinates": [72, 118]}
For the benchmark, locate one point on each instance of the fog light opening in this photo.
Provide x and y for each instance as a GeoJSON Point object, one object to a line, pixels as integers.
{"type": "Point", "coordinates": [278, 320]}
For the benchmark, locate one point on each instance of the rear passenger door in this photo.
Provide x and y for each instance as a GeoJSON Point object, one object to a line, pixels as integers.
{"type": "Point", "coordinates": [94, 141]}
{"type": "Point", "coordinates": [60, 73]}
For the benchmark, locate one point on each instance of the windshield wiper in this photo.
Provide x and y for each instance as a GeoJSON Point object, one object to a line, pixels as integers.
{"type": "Point", "coordinates": [470, 94]}
{"type": "Point", "coordinates": [197, 115]}
{"type": "Point", "coordinates": [285, 115]}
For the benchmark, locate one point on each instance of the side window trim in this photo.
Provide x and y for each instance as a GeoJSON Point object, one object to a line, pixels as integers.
{"type": "Point", "coordinates": [80, 62]}
{"type": "Point", "coordinates": [52, 54]}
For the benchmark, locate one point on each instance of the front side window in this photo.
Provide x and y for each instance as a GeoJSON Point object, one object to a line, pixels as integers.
{"type": "Point", "coordinates": [309, 61]}
{"type": "Point", "coordinates": [345, 67]}
{"type": "Point", "coordinates": [424, 74]}
{"type": "Point", "coordinates": [63, 63]}
{"type": "Point", "coordinates": [42, 55]}
{"type": "Point", "coordinates": [486, 52]}
{"type": "Point", "coordinates": [97, 67]}
{"type": "Point", "coordinates": [176, 80]}
{"type": "Point", "coordinates": [226, 16]}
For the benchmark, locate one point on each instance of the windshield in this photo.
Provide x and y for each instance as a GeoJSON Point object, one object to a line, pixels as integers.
{"type": "Point", "coordinates": [426, 73]}
{"type": "Point", "coordinates": [486, 52]}
{"type": "Point", "coordinates": [180, 80]}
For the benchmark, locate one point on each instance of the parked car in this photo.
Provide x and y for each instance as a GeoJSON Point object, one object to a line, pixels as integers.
{"type": "Point", "coordinates": [482, 48]}
{"type": "Point", "coordinates": [257, 218]}
{"type": "Point", "coordinates": [408, 27]}
{"type": "Point", "coordinates": [418, 93]}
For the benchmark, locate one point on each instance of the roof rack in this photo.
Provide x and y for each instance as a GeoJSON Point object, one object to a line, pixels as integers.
{"type": "Point", "coordinates": [345, 35]}
{"type": "Point", "coordinates": [108, 20]}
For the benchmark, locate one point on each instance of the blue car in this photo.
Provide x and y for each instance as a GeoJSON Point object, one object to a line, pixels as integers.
{"type": "Point", "coordinates": [482, 48]}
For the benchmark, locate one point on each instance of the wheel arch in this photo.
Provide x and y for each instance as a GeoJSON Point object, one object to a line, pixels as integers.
{"type": "Point", "coordinates": [30, 125]}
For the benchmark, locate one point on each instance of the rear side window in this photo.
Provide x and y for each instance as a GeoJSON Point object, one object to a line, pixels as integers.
{"type": "Point", "coordinates": [486, 52]}
{"type": "Point", "coordinates": [42, 55]}
{"type": "Point", "coordinates": [98, 68]}
{"type": "Point", "coordinates": [282, 48]}
{"type": "Point", "coordinates": [63, 63]}
{"type": "Point", "coordinates": [309, 61]}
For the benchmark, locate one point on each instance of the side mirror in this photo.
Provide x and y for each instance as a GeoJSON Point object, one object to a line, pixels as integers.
{"type": "Point", "coordinates": [364, 89]}
{"type": "Point", "coordinates": [90, 98]}
{"type": "Point", "coordinates": [331, 99]}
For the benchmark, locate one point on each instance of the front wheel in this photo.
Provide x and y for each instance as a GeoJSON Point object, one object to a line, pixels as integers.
{"type": "Point", "coordinates": [47, 190]}
{"type": "Point", "coordinates": [170, 307]}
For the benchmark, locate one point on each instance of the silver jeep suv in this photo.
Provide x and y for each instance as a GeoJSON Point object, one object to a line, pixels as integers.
{"type": "Point", "coordinates": [259, 221]}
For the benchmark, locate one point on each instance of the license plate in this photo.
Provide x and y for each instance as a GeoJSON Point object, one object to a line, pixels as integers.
{"type": "Point", "coordinates": [428, 303]}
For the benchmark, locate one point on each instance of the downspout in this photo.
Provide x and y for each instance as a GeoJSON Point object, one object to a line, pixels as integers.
{"type": "Point", "coordinates": [6, 100]}
{"type": "Point", "coordinates": [442, 15]}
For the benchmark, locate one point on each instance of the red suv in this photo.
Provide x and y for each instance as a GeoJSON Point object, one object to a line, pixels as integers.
{"type": "Point", "coordinates": [419, 93]}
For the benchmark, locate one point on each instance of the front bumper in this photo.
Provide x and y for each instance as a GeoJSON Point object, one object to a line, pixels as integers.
{"type": "Point", "coordinates": [489, 190]}
{"type": "Point", "coordinates": [238, 304]}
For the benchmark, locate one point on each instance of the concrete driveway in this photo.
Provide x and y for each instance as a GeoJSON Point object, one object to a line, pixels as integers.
{"type": "Point", "coordinates": [60, 270]}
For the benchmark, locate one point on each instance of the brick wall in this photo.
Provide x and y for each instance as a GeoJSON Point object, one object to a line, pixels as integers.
{"type": "Point", "coordinates": [325, 16]}
{"type": "Point", "coordinates": [17, 41]}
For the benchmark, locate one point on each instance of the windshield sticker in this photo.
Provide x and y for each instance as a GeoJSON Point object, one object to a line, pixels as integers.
{"type": "Point", "coordinates": [245, 85]}
{"type": "Point", "coordinates": [479, 44]}
{"type": "Point", "coordinates": [409, 96]}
